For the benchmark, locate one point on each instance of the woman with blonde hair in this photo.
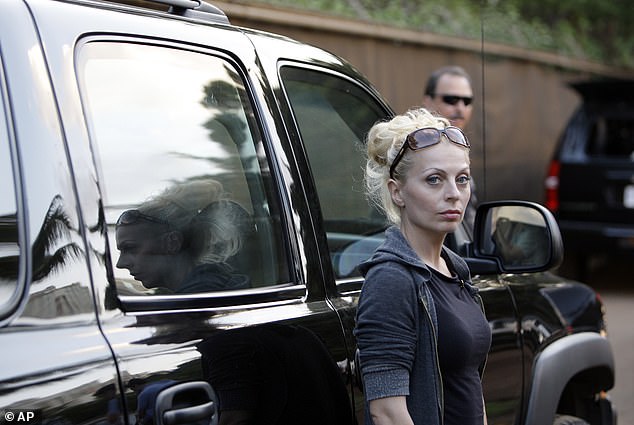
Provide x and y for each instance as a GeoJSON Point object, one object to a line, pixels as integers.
{"type": "Point", "coordinates": [421, 332]}
{"type": "Point", "coordinates": [180, 240]}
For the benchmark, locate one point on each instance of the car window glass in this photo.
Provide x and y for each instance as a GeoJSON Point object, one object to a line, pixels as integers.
{"type": "Point", "coordinates": [611, 136]}
{"type": "Point", "coordinates": [9, 247]}
{"type": "Point", "coordinates": [186, 183]}
{"type": "Point", "coordinates": [333, 116]}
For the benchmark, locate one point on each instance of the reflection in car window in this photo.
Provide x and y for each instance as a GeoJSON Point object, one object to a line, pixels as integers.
{"type": "Point", "coordinates": [9, 247]}
{"type": "Point", "coordinates": [519, 236]}
{"type": "Point", "coordinates": [333, 116]}
{"type": "Point", "coordinates": [185, 189]}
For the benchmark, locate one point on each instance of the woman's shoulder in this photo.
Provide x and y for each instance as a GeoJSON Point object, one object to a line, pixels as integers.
{"type": "Point", "coordinates": [392, 276]}
{"type": "Point", "coordinates": [389, 266]}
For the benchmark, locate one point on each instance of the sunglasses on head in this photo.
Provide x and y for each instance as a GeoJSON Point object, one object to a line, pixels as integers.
{"type": "Point", "coordinates": [450, 99]}
{"type": "Point", "coordinates": [426, 137]}
{"type": "Point", "coordinates": [133, 216]}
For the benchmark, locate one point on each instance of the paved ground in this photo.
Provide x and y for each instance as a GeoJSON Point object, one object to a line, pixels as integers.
{"type": "Point", "coordinates": [614, 280]}
{"type": "Point", "coordinates": [620, 306]}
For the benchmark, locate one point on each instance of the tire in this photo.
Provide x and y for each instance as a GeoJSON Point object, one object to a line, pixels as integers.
{"type": "Point", "coordinates": [568, 420]}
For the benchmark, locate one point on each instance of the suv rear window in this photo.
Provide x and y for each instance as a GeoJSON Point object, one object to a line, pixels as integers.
{"type": "Point", "coordinates": [612, 136]}
{"type": "Point", "coordinates": [187, 187]}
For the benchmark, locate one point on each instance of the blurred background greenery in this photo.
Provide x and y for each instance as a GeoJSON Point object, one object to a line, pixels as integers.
{"type": "Point", "coordinates": [594, 30]}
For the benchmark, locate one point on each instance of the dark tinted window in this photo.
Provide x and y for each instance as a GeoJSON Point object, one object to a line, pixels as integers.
{"type": "Point", "coordinates": [612, 137]}
{"type": "Point", "coordinates": [186, 182]}
{"type": "Point", "coordinates": [334, 115]}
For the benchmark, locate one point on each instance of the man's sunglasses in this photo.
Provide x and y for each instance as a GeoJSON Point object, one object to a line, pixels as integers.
{"type": "Point", "coordinates": [450, 99]}
{"type": "Point", "coordinates": [426, 137]}
{"type": "Point", "coordinates": [133, 216]}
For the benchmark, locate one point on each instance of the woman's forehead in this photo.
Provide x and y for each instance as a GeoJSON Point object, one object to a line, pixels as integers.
{"type": "Point", "coordinates": [444, 155]}
{"type": "Point", "coordinates": [140, 230]}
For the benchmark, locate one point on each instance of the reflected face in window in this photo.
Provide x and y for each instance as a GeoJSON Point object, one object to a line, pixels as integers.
{"type": "Point", "coordinates": [145, 252]}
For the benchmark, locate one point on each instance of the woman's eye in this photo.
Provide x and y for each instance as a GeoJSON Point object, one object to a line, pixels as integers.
{"type": "Point", "coordinates": [433, 179]}
{"type": "Point", "coordinates": [463, 179]}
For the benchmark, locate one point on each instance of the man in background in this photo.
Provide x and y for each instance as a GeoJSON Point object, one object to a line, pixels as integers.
{"type": "Point", "coordinates": [448, 92]}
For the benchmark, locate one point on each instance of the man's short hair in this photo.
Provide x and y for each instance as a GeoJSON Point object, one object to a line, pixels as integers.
{"type": "Point", "coordinates": [432, 82]}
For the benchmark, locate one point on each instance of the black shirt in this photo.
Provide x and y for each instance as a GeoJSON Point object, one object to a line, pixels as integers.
{"type": "Point", "coordinates": [464, 338]}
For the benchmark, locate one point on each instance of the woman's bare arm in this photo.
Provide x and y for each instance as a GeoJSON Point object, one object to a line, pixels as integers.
{"type": "Point", "coordinates": [390, 411]}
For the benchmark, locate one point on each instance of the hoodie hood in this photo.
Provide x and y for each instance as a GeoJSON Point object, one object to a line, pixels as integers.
{"type": "Point", "coordinates": [395, 248]}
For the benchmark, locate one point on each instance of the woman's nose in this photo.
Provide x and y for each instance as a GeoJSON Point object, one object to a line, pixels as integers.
{"type": "Point", "coordinates": [122, 262]}
{"type": "Point", "coordinates": [452, 191]}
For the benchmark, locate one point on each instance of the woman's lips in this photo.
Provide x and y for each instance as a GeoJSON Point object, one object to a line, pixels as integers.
{"type": "Point", "coordinates": [452, 214]}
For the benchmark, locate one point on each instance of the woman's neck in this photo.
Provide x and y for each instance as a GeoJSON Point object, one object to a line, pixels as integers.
{"type": "Point", "coordinates": [181, 267]}
{"type": "Point", "coordinates": [428, 246]}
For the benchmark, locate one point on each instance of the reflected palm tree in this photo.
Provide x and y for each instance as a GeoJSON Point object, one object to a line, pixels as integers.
{"type": "Point", "coordinates": [229, 131]}
{"type": "Point", "coordinates": [227, 128]}
{"type": "Point", "coordinates": [9, 247]}
{"type": "Point", "coordinates": [55, 229]}
{"type": "Point", "coordinates": [223, 101]}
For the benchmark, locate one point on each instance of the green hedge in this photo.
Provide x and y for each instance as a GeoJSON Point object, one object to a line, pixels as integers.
{"type": "Point", "coordinates": [599, 31]}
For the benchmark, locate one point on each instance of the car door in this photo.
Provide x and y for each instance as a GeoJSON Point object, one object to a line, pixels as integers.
{"type": "Point", "coordinates": [56, 366]}
{"type": "Point", "coordinates": [174, 109]}
{"type": "Point", "coordinates": [353, 228]}
{"type": "Point", "coordinates": [350, 228]}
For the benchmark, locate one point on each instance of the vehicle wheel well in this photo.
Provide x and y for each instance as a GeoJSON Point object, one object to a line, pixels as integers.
{"type": "Point", "coordinates": [568, 372]}
{"type": "Point", "coordinates": [583, 392]}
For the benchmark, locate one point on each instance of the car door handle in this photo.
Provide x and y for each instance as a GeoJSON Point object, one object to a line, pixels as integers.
{"type": "Point", "coordinates": [186, 403]}
{"type": "Point", "coordinates": [189, 414]}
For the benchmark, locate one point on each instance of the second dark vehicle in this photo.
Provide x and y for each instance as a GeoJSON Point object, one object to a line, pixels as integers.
{"type": "Point", "coordinates": [590, 183]}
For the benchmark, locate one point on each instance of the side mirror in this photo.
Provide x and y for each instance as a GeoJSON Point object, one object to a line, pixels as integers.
{"type": "Point", "coordinates": [520, 236]}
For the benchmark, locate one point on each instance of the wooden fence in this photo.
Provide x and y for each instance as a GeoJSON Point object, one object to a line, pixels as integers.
{"type": "Point", "coordinates": [522, 99]}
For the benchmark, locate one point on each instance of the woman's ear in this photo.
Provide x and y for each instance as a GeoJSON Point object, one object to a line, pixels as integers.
{"type": "Point", "coordinates": [395, 192]}
{"type": "Point", "coordinates": [173, 241]}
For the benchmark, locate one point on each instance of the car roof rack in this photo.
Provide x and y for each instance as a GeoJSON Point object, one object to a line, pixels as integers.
{"type": "Point", "coordinates": [198, 9]}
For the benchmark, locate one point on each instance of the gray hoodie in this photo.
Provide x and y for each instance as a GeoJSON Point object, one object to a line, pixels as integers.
{"type": "Point", "coordinates": [397, 328]}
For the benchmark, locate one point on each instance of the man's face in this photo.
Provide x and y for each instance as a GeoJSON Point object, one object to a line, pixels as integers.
{"type": "Point", "coordinates": [452, 86]}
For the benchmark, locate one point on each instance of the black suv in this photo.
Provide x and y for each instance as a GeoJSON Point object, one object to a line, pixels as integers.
{"type": "Point", "coordinates": [590, 183]}
{"type": "Point", "coordinates": [110, 110]}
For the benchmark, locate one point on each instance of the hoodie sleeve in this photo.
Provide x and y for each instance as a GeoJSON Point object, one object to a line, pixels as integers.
{"type": "Point", "coordinates": [386, 330]}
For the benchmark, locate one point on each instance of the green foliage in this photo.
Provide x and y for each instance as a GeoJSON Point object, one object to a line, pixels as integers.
{"type": "Point", "coordinates": [600, 31]}
{"type": "Point", "coordinates": [588, 29]}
